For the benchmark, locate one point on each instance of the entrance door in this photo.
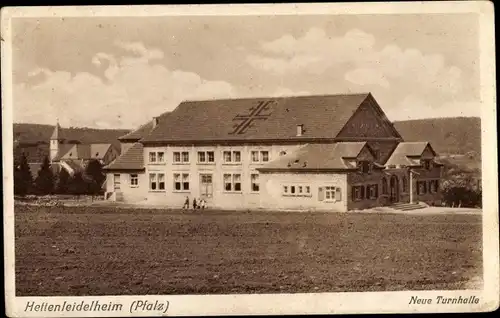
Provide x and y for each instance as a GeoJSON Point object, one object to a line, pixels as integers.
{"type": "Point", "coordinates": [116, 181]}
{"type": "Point", "coordinates": [394, 189]}
{"type": "Point", "coordinates": [206, 186]}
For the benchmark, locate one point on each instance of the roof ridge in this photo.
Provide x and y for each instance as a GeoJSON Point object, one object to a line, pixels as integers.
{"type": "Point", "coordinates": [272, 97]}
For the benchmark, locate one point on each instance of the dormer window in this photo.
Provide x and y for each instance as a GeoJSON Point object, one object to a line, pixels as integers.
{"type": "Point", "coordinates": [364, 166]}
{"type": "Point", "coordinates": [426, 163]}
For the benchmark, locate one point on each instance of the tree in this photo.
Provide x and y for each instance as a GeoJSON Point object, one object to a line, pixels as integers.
{"type": "Point", "coordinates": [23, 180]}
{"type": "Point", "coordinates": [95, 175]}
{"type": "Point", "coordinates": [45, 180]}
{"type": "Point", "coordinates": [78, 185]}
{"type": "Point", "coordinates": [63, 182]}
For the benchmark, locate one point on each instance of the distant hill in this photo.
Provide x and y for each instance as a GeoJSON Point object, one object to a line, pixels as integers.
{"type": "Point", "coordinates": [36, 133]}
{"type": "Point", "coordinates": [457, 135]}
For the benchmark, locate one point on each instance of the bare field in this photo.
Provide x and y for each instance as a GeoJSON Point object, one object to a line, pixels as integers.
{"type": "Point", "coordinates": [115, 251]}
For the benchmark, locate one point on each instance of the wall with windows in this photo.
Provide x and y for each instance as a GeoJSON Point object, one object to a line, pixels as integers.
{"type": "Point", "coordinates": [132, 185]}
{"type": "Point", "coordinates": [426, 185]}
{"type": "Point", "coordinates": [303, 191]}
{"type": "Point", "coordinates": [366, 190]}
{"type": "Point", "coordinates": [225, 176]}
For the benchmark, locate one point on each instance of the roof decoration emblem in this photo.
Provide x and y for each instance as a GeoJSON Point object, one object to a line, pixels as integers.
{"type": "Point", "coordinates": [259, 112]}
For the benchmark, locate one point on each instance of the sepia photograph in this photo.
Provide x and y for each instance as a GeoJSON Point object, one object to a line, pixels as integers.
{"type": "Point", "coordinates": [249, 151]}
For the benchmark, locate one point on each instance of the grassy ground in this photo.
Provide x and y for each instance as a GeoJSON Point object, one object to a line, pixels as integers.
{"type": "Point", "coordinates": [106, 251]}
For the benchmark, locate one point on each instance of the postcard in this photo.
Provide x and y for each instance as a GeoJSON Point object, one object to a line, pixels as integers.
{"type": "Point", "coordinates": [257, 159]}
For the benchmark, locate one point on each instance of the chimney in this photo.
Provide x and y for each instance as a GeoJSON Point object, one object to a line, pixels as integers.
{"type": "Point", "coordinates": [300, 130]}
{"type": "Point", "coordinates": [155, 121]}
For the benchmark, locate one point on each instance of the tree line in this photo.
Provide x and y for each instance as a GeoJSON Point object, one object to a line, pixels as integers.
{"type": "Point", "coordinates": [89, 181]}
{"type": "Point", "coordinates": [461, 186]}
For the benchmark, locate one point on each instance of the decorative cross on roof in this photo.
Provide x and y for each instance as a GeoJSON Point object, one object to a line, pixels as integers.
{"type": "Point", "coordinates": [254, 114]}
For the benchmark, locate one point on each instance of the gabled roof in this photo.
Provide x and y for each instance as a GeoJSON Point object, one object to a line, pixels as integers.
{"type": "Point", "coordinates": [322, 117]}
{"type": "Point", "coordinates": [143, 130]}
{"type": "Point", "coordinates": [408, 153]}
{"type": "Point", "coordinates": [319, 157]}
{"type": "Point", "coordinates": [132, 159]}
{"type": "Point", "coordinates": [78, 151]}
{"type": "Point", "coordinates": [63, 149]}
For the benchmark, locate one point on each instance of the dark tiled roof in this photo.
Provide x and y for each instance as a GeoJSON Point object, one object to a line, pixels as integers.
{"type": "Point", "coordinates": [407, 153]}
{"type": "Point", "coordinates": [92, 151]}
{"type": "Point", "coordinates": [63, 149]}
{"type": "Point", "coordinates": [318, 157]}
{"type": "Point", "coordinates": [219, 120]}
{"type": "Point", "coordinates": [142, 131]}
{"type": "Point", "coordinates": [132, 159]}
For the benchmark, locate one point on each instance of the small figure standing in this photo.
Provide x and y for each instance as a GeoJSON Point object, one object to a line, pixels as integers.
{"type": "Point", "coordinates": [194, 204]}
{"type": "Point", "coordinates": [186, 203]}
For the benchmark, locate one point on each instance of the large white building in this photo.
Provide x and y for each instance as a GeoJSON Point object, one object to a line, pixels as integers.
{"type": "Point", "coordinates": [330, 152]}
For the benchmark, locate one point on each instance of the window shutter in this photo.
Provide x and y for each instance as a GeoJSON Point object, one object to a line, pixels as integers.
{"type": "Point", "coordinates": [321, 194]}
{"type": "Point", "coordinates": [353, 193]}
{"type": "Point", "coordinates": [362, 192]}
{"type": "Point", "coordinates": [338, 194]}
{"type": "Point", "coordinates": [418, 187]}
{"type": "Point", "coordinates": [376, 191]}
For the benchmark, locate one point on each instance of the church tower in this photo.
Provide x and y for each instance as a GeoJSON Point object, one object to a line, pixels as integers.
{"type": "Point", "coordinates": [55, 140]}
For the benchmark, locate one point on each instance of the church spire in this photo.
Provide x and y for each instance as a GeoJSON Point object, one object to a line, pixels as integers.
{"type": "Point", "coordinates": [57, 134]}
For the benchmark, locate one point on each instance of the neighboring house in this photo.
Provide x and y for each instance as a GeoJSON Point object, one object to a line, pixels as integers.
{"type": "Point", "coordinates": [74, 157]}
{"type": "Point", "coordinates": [332, 152]}
{"type": "Point", "coordinates": [39, 141]}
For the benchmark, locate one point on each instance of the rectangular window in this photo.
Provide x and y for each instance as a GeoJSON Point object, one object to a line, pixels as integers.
{"type": "Point", "coordinates": [264, 156]}
{"type": "Point", "coordinates": [227, 182]}
{"type": "Point", "coordinates": [255, 156]}
{"type": "Point", "coordinates": [237, 156]}
{"type": "Point", "coordinates": [152, 157]}
{"type": "Point", "coordinates": [204, 157]}
{"type": "Point", "coordinates": [227, 156]}
{"type": "Point", "coordinates": [297, 190]}
{"type": "Point", "coordinates": [211, 156]}
{"type": "Point", "coordinates": [201, 156]}
{"type": "Point", "coordinates": [255, 182]}
{"type": "Point", "coordinates": [156, 181]}
{"type": "Point", "coordinates": [232, 182]}
{"type": "Point", "coordinates": [185, 181]}
{"type": "Point", "coordinates": [358, 193]}
{"type": "Point", "coordinates": [329, 193]}
{"type": "Point", "coordinates": [260, 156]}
{"type": "Point", "coordinates": [134, 180]}
{"type": "Point", "coordinates": [332, 193]}
{"type": "Point", "coordinates": [365, 166]}
{"type": "Point", "coordinates": [372, 191]}
{"type": "Point", "coordinates": [161, 156]}
{"type": "Point", "coordinates": [181, 182]}
{"type": "Point", "coordinates": [177, 156]}
{"type": "Point", "coordinates": [177, 182]}
{"type": "Point", "coordinates": [237, 182]}
{"type": "Point", "coordinates": [185, 156]}
{"type": "Point", "coordinates": [152, 182]}
{"type": "Point", "coordinates": [161, 181]}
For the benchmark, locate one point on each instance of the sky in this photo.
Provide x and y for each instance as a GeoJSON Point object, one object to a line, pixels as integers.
{"type": "Point", "coordinates": [119, 72]}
